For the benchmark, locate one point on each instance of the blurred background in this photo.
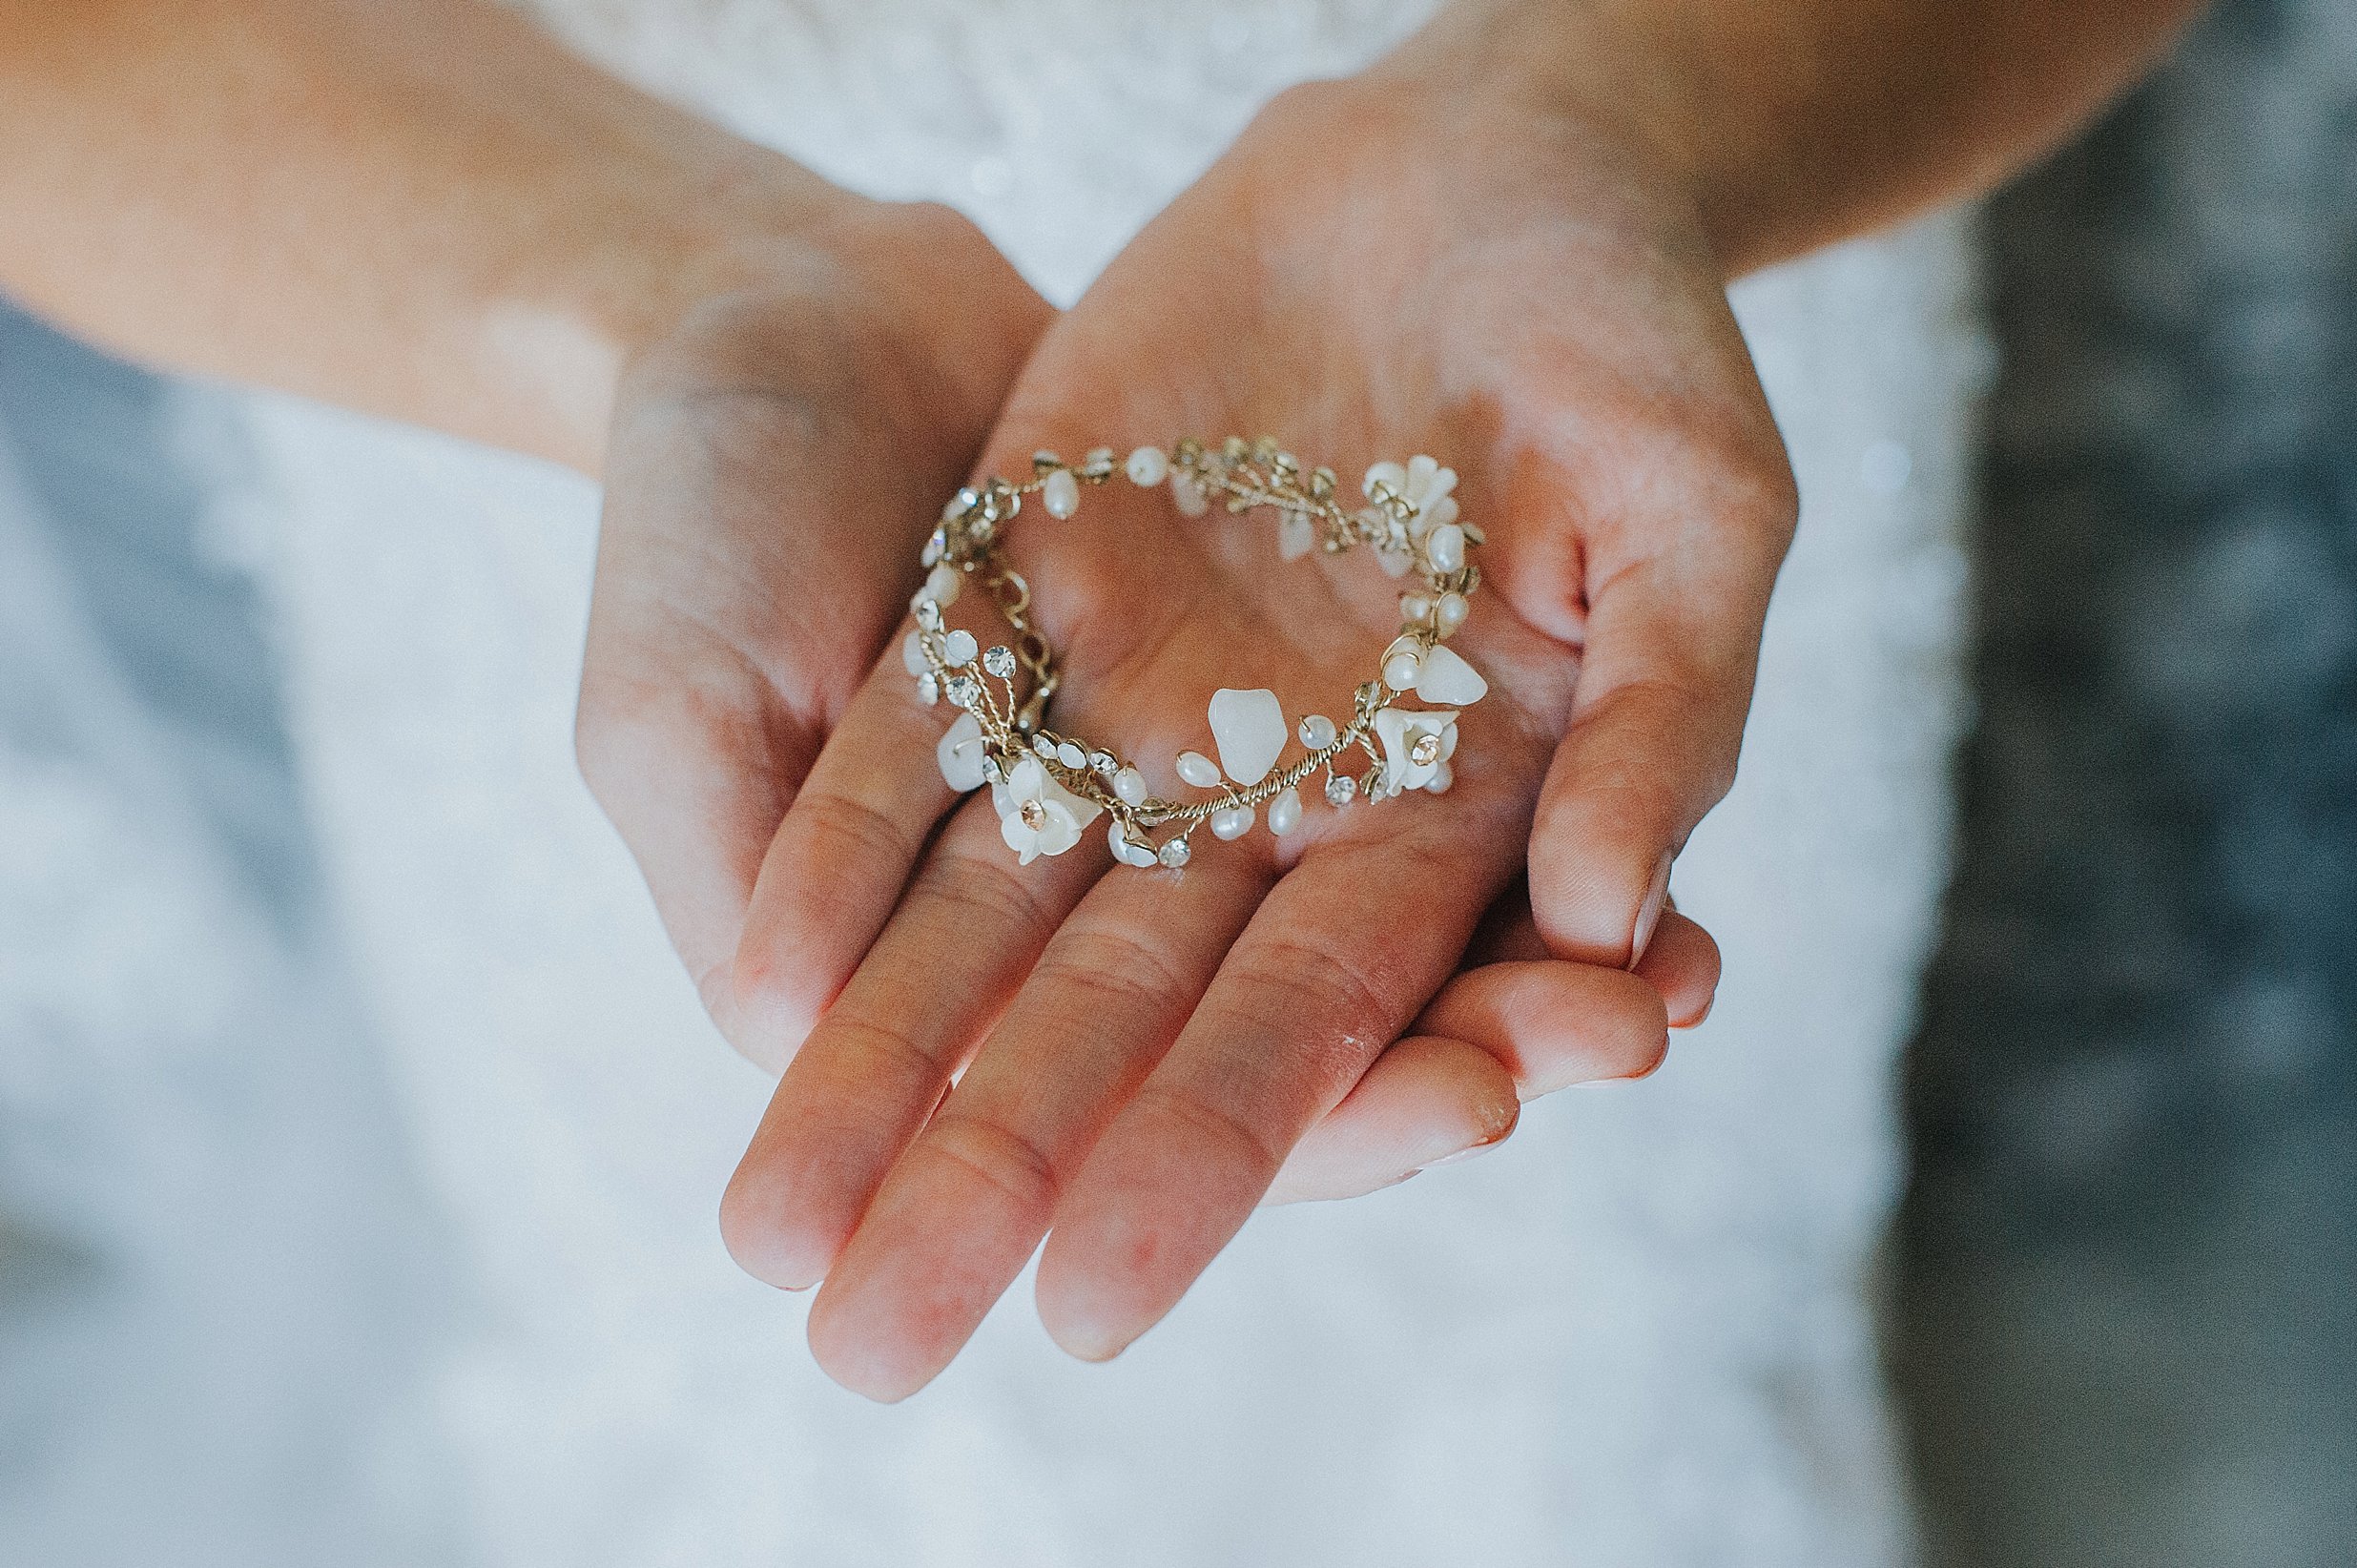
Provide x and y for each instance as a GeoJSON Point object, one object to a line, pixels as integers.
{"type": "Point", "coordinates": [2123, 1324]}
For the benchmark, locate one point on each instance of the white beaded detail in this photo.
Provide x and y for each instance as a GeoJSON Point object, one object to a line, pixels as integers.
{"type": "Point", "coordinates": [1049, 787]}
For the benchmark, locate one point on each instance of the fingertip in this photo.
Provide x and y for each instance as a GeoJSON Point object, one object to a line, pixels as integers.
{"type": "Point", "coordinates": [1684, 965]}
{"type": "Point", "coordinates": [763, 1247]}
{"type": "Point", "coordinates": [1427, 1100]}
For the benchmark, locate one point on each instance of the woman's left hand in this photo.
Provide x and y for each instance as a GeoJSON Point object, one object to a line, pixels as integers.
{"type": "Point", "coordinates": [1398, 264]}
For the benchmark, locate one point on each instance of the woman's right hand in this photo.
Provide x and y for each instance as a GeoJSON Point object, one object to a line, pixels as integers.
{"type": "Point", "coordinates": [776, 456]}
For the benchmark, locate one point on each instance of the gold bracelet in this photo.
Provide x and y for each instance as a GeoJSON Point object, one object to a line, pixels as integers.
{"type": "Point", "coordinates": [1048, 786]}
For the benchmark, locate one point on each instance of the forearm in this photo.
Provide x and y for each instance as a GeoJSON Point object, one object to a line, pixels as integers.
{"type": "Point", "coordinates": [425, 209]}
{"type": "Point", "coordinates": [1797, 122]}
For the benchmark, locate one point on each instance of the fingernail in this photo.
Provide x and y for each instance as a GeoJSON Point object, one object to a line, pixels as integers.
{"type": "Point", "coordinates": [1462, 1155]}
{"type": "Point", "coordinates": [1649, 913]}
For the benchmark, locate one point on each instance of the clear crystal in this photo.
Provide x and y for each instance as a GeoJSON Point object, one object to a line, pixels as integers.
{"type": "Point", "coordinates": [964, 691]}
{"type": "Point", "coordinates": [1104, 764]}
{"type": "Point", "coordinates": [1000, 662]}
{"type": "Point", "coordinates": [1045, 745]}
{"type": "Point", "coordinates": [1341, 788]}
{"type": "Point", "coordinates": [1173, 853]}
{"type": "Point", "coordinates": [992, 771]}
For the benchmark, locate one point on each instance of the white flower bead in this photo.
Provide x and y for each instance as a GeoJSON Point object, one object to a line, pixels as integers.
{"type": "Point", "coordinates": [1129, 787]}
{"type": "Point", "coordinates": [1061, 493]}
{"type": "Point", "coordinates": [1037, 815]}
{"type": "Point", "coordinates": [942, 585]}
{"type": "Point", "coordinates": [1285, 813]}
{"type": "Point", "coordinates": [913, 655]}
{"type": "Point", "coordinates": [1230, 823]}
{"type": "Point", "coordinates": [1318, 732]}
{"type": "Point", "coordinates": [1147, 467]}
{"type": "Point", "coordinates": [957, 649]}
{"type": "Point", "coordinates": [1448, 612]}
{"type": "Point", "coordinates": [1415, 746]}
{"type": "Point", "coordinates": [1198, 770]}
{"type": "Point", "coordinates": [1446, 547]}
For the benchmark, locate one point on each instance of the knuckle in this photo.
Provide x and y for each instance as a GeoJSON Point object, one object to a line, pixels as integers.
{"type": "Point", "coordinates": [1002, 1159]}
{"type": "Point", "coordinates": [1113, 967]}
{"type": "Point", "coordinates": [860, 832]}
{"type": "Point", "coordinates": [976, 889]}
{"type": "Point", "coordinates": [1219, 1126]}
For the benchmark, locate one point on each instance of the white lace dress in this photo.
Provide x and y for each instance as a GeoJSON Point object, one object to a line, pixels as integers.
{"type": "Point", "coordinates": [1639, 1334]}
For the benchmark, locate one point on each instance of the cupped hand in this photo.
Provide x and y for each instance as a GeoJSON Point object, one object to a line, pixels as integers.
{"type": "Point", "coordinates": [1394, 265]}
{"type": "Point", "coordinates": [774, 459]}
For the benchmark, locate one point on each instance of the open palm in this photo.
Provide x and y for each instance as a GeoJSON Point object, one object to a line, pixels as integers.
{"type": "Point", "coordinates": [1512, 298]}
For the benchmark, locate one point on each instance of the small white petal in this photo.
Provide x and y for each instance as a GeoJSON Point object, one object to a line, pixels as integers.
{"type": "Point", "coordinates": [1446, 677]}
{"type": "Point", "coordinates": [1188, 496]}
{"type": "Point", "coordinates": [1295, 536]}
{"type": "Point", "coordinates": [1232, 822]}
{"type": "Point", "coordinates": [1148, 466]}
{"type": "Point", "coordinates": [1384, 473]}
{"type": "Point", "coordinates": [1129, 787]}
{"type": "Point", "coordinates": [1127, 849]}
{"type": "Point", "coordinates": [1395, 563]}
{"type": "Point", "coordinates": [1421, 469]}
{"type": "Point", "coordinates": [1198, 770]}
{"type": "Point", "coordinates": [942, 585]}
{"type": "Point", "coordinates": [913, 655]}
{"type": "Point", "coordinates": [1061, 493]}
{"type": "Point", "coordinates": [1285, 813]}
{"type": "Point", "coordinates": [960, 753]}
{"type": "Point", "coordinates": [1248, 728]}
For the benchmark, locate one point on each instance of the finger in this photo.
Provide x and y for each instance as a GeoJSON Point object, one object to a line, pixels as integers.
{"type": "Point", "coordinates": [1335, 963]}
{"type": "Point", "coordinates": [1451, 1093]}
{"type": "Point", "coordinates": [1680, 963]}
{"type": "Point", "coordinates": [1657, 720]}
{"type": "Point", "coordinates": [839, 857]}
{"type": "Point", "coordinates": [1426, 1101]}
{"type": "Point", "coordinates": [695, 802]}
{"type": "Point", "coordinates": [966, 1205]}
{"type": "Point", "coordinates": [971, 926]}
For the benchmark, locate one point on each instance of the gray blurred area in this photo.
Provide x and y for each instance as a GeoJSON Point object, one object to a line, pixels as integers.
{"type": "Point", "coordinates": [203, 1340]}
{"type": "Point", "coordinates": [2127, 1329]}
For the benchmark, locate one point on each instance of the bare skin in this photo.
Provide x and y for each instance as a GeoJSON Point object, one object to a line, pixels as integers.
{"type": "Point", "coordinates": [428, 210]}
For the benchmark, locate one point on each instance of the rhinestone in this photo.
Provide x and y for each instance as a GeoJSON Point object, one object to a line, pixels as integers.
{"type": "Point", "coordinates": [1071, 756]}
{"type": "Point", "coordinates": [1318, 732]}
{"type": "Point", "coordinates": [1104, 764]}
{"type": "Point", "coordinates": [1045, 745]}
{"type": "Point", "coordinates": [1000, 662]}
{"type": "Point", "coordinates": [993, 771]}
{"type": "Point", "coordinates": [928, 613]}
{"type": "Point", "coordinates": [1425, 752]}
{"type": "Point", "coordinates": [1034, 814]}
{"type": "Point", "coordinates": [961, 504]}
{"type": "Point", "coordinates": [1173, 853]}
{"type": "Point", "coordinates": [1341, 788]}
{"type": "Point", "coordinates": [964, 691]}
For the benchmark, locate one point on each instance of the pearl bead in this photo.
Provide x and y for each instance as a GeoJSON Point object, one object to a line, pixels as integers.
{"type": "Point", "coordinates": [1285, 813]}
{"type": "Point", "coordinates": [1061, 493]}
{"type": "Point", "coordinates": [1232, 822]}
{"type": "Point", "coordinates": [1443, 776]}
{"type": "Point", "coordinates": [1318, 732]}
{"type": "Point", "coordinates": [1129, 787]}
{"type": "Point", "coordinates": [1400, 671]}
{"type": "Point", "coordinates": [1449, 612]}
{"type": "Point", "coordinates": [942, 585]}
{"type": "Point", "coordinates": [957, 649]}
{"type": "Point", "coordinates": [1414, 608]}
{"type": "Point", "coordinates": [1147, 467]}
{"type": "Point", "coordinates": [1198, 770]}
{"type": "Point", "coordinates": [1446, 547]}
{"type": "Point", "coordinates": [913, 655]}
